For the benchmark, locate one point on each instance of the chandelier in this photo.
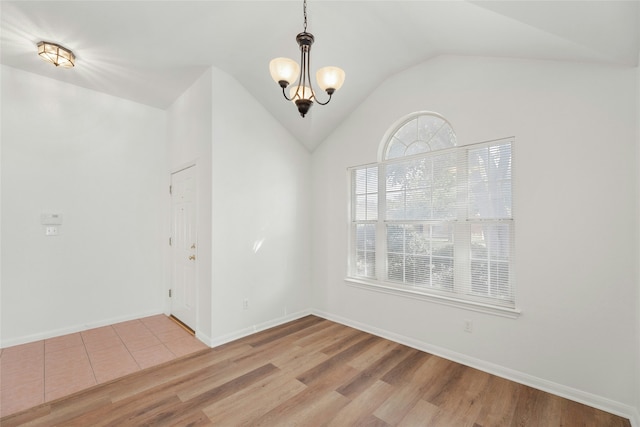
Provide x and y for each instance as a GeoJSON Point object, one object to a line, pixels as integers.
{"type": "Point", "coordinates": [285, 71]}
{"type": "Point", "coordinates": [56, 54]}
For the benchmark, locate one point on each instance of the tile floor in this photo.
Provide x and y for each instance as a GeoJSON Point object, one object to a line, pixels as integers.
{"type": "Point", "coordinates": [41, 371]}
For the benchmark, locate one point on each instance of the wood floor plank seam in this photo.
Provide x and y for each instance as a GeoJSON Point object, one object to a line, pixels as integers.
{"type": "Point", "coordinates": [313, 372]}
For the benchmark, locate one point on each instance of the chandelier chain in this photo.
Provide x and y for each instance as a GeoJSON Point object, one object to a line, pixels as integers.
{"type": "Point", "coordinates": [283, 71]}
{"type": "Point", "coordinates": [305, 15]}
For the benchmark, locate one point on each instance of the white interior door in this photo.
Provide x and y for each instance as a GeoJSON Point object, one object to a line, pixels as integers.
{"type": "Point", "coordinates": [183, 246]}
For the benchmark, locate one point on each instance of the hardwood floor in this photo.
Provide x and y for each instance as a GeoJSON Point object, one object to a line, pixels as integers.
{"type": "Point", "coordinates": [312, 372]}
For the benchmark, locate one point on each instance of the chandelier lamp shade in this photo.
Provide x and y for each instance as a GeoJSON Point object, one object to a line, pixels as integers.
{"type": "Point", "coordinates": [285, 71]}
{"type": "Point", "coordinates": [56, 54]}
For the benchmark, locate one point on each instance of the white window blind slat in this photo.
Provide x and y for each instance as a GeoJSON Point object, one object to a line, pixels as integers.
{"type": "Point", "coordinates": [364, 214]}
{"type": "Point", "coordinates": [447, 219]}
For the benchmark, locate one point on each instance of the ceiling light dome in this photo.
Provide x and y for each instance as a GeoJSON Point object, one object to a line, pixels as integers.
{"type": "Point", "coordinates": [56, 54]}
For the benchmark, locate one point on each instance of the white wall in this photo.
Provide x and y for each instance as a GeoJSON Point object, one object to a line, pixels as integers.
{"type": "Point", "coordinates": [261, 201]}
{"type": "Point", "coordinates": [638, 262]}
{"type": "Point", "coordinates": [189, 130]}
{"type": "Point", "coordinates": [253, 191]}
{"type": "Point", "coordinates": [105, 164]}
{"type": "Point", "coordinates": [102, 162]}
{"type": "Point", "coordinates": [576, 220]}
{"type": "Point", "coordinates": [99, 161]}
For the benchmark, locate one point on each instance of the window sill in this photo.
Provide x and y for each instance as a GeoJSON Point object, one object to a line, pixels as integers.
{"type": "Point", "coordinates": [389, 288]}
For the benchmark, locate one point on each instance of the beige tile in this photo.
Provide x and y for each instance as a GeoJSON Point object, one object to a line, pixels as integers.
{"type": "Point", "coordinates": [22, 396]}
{"type": "Point", "coordinates": [165, 328]}
{"type": "Point", "coordinates": [152, 356]}
{"type": "Point", "coordinates": [113, 362]}
{"type": "Point", "coordinates": [174, 334]}
{"type": "Point", "coordinates": [159, 323]}
{"type": "Point", "coordinates": [46, 370]}
{"type": "Point", "coordinates": [131, 328]}
{"type": "Point", "coordinates": [128, 324]}
{"type": "Point", "coordinates": [135, 335]}
{"type": "Point", "coordinates": [100, 338]}
{"type": "Point", "coordinates": [157, 319]}
{"type": "Point", "coordinates": [24, 351]}
{"type": "Point", "coordinates": [16, 371]}
{"type": "Point", "coordinates": [78, 373]}
{"type": "Point", "coordinates": [135, 343]}
{"type": "Point", "coordinates": [60, 343]}
{"type": "Point", "coordinates": [103, 355]}
{"type": "Point", "coordinates": [185, 345]}
{"type": "Point", "coordinates": [115, 371]}
{"type": "Point", "coordinates": [67, 367]}
{"type": "Point", "coordinates": [76, 377]}
{"type": "Point", "coordinates": [62, 359]}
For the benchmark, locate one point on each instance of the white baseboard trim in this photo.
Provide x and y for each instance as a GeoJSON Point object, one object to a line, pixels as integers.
{"type": "Point", "coordinates": [73, 329]}
{"type": "Point", "coordinates": [217, 341]}
{"type": "Point", "coordinates": [570, 393]}
{"type": "Point", "coordinates": [595, 401]}
{"type": "Point", "coordinates": [205, 339]}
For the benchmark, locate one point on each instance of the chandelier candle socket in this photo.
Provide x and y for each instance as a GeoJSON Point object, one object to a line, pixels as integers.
{"type": "Point", "coordinates": [285, 71]}
{"type": "Point", "coordinates": [56, 54]}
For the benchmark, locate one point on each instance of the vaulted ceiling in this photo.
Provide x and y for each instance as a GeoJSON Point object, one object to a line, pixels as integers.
{"type": "Point", "coordinates": [151, 51]}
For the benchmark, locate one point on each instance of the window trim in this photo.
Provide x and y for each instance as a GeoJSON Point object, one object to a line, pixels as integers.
{"type": "Point", "coordinates": [395, 127]}
{"type": "Point", "coordinates": [377, 283]}
{"type": "Point", "coordinates": [398, 290]}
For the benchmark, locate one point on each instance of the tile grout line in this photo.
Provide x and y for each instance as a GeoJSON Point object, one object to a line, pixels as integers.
{"type": "Point", "coordinates": [127, 347]}
{"type": "Point", "coordinates": [164, 344]}
{"type": "Point", "coordinates": [86, 351]}
{"type": "Point", "coordinates": [83, 334]}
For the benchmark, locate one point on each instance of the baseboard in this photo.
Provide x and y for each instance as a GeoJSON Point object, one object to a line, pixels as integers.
{"type": "Point", "coordinates": [205, 339]}
{"type": "Point", "coordinates": [570, 393]}
{"type": "Point", "coordinates": [257, 328]}
{"type": "Point", "coordinates": [73, 329]}
{"type": "Point", "coordinates": [595, 401]}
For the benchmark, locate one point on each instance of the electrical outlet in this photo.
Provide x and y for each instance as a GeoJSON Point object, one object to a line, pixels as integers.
{"type": "Point", "coordinates": [245, 304]}
{"type": "Point", "coordinates": [468, 326]}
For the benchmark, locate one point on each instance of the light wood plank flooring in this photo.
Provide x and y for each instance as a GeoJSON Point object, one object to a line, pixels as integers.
{"type": "Point", "coordinates": [312, 372]}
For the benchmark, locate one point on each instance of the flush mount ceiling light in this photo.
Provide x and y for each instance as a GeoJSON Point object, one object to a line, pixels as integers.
{"type": "Point", "coordinates": [56, 54]}
{"type": "Point", "coordinates": [284, 71]}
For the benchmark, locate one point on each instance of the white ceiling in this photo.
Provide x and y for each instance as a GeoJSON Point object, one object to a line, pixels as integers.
{"type": "Point", "coordinates": [151, 51]}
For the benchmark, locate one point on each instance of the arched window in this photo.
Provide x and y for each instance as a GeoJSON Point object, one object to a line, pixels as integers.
{"type": "Point", "coordinates": [418, 133]}
{"type": "Point", "coordinates": [435, 219]}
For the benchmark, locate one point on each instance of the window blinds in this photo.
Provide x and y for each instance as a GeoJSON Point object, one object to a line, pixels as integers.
{"type": "Point", "coordinates": [439, 222]}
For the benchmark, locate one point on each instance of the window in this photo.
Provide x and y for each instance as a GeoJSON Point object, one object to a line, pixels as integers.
{"type": "Point", "coordinates": [433, 219]}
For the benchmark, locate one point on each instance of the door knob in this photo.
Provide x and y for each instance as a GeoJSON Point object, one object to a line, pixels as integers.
{"type": "Point", "coordinates": [192, 257]}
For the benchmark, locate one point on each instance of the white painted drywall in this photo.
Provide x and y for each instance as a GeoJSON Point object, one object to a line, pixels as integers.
{"type": "Point", "coordinates": [189, 133]}
{"type": "Point", "coordinates": [253, 189]}
{"type": "Point", "coordinates": [575, 208]}
{"type": "Point", "coordinates": [637, 420]}
{"type": "Point", "coordinates": [261, 202]}
{"type": "Point", "coordinates": [100, 161]}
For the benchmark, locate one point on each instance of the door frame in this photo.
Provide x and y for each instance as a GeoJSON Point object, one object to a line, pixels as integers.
{"type": "Point", "coordinates": [182, 167]}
